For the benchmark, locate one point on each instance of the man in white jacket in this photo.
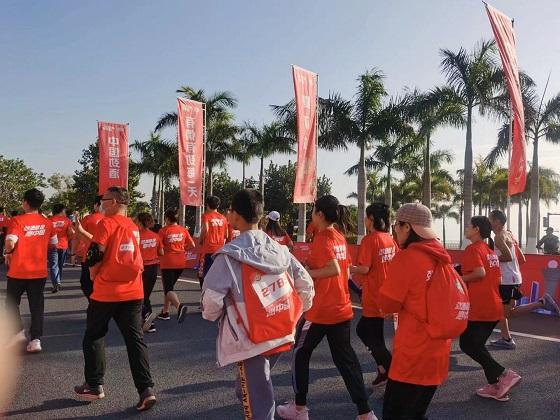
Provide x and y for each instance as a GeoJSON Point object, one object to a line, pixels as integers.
{"type": "Point", "coordinates": [224, 298]}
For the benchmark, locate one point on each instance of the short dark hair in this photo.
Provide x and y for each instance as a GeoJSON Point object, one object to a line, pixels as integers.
{"type": "Point", "coordinates": [58, 208]}
{"type": "Point", "coordinates": [213, 202]}
{"type": "Point", "coordinates": [171, 215]}
{"type": "Point", "coordinates": [145, 219]}
{"type": "Point", "coordinates": [120, 194]}
{"type": "Point", "coordinates": [98, 200]}
{"type": "Point", "coordinates": [499, 216]}
{"type": "Point", "coordinates": [380, 214]}
{"type": "Point", "coordinates": [248, 203]}
{"type": "Point", "coordinates": [34, 198]}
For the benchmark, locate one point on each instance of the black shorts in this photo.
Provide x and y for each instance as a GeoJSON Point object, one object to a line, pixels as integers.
{"type": "Point", "coordinates": [170, 277]}
{"type": "Point", "coordinates": [509, 292]}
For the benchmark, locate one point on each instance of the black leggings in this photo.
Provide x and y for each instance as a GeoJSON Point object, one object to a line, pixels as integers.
{"type": "Point", "coordinates": [170, 277]}
{"type": "Point", "coordinates": [149, 277]}
{"type": "Point", "coordinates": [473, 343]}
{"type": "Point", "coordinates": [404, 401]}
{"type": "Point", "coordinates": [308, 337]}
{"type": "Point", "coordinates": [370, 331]}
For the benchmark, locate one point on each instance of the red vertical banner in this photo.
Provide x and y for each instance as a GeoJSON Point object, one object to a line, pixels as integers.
{"type": "Point", "coordinates": [113, 155]}
{"type": "Point", "coordinates": [190, 125]}
{"type": "Point", "coordinates": [502, 26]}
{"type": "Point", "coordinates": [305, 85]}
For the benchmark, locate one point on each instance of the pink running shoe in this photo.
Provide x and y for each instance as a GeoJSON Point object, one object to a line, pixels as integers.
{"type": "Point", "coordinates": [288, 411]}
{"type": "Point", "coordinates": [508, 380]}
{"type": "Point", "coordinates": [492, 391]}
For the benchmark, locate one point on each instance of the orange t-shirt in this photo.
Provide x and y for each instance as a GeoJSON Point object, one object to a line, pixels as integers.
{"type": "Point", "coordinates": [113, 290]}
{"type": "Point", "coordinates": [310, 229]}
{"type": "Point", "coordinates": [89, 223]}
{"type": "Point", "coordinates": [216, 232]}
{"type": "Point", "coordinates": [150, 243]}
{"type": "Point", "coordinates": [376, 251]}
{"type": "Point", "coordinates": [484, 295]}
{"type": "Point", "coordinates": [282, 240]}
{"type": "Point", "coordinates": [417, 358]}
{"type": "Point", "coordinates": [331, 304]}
{"type": "Point", "coordinates": [176, 240]}
{"type": "Point", "coordinates": [232, 233]}
{"type": "Point", "coordinates": [4, 222]}
{"type": "Point", "coordinates": [32, 234]}
{"type": "Point", "coordinates": [61, 226]}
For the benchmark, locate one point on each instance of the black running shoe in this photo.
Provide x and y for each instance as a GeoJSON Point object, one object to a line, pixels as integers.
{"type": "Point", "coordinates": [164, 316]}
{"type": "Point", "coordinates": [90, 393]}
{"type": "Point", "coordinates": [147, 400]}
{"type": "Point", "coordinates": [182, 313]}
{"type": "Point", "coordinates": [152, 329]}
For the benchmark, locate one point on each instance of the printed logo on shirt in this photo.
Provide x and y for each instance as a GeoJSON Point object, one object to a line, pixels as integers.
{"type": "Point", "coordinates": [217, 222]}
{"type": "Point", "coordinates": [387, 254]}
{"type": "Point", "coordinates": [340, 252]}
{"type": "Point", "coordinates": [148, 243]}
{"type": "Point", "coordinates": [429, 275]}
{"type": "Point", "coordinates": [34, 230]}
{"type": "Point", "coordinates": [129, 247]}
{"type": "Point", "coordinates": [175, 237]}
{"type": "Point", "coordinates": [58, 224]}
{"type": "Point", "coordinates": [493, 260]}
{"type": "Point", "coordinates": [462, 307]}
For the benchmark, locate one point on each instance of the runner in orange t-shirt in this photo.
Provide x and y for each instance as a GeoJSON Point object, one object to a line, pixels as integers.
{"type": "Point", "coordinates": [276, 232]}
{"type": "Point", "coordinates": [3, 229]}
{"type": "Point", "coordinates": [481, 272]}
{"type": "Point", "coordinates": [376, 251]}
{"type": "Point", "coordinates": [331, 314]}
{"type": "Point", "coordinates": [176, 241]}
{"type": "Point", "coordinates": [84, 230]}
{"type": "Point", "coordinates": [151, 249]}
{"type": "Point", "coordinates": [64, 231]}
{"type": "Point", "coordinates": [213, 236]}
{"type": "Point", "coordinates": [117, 295]}
{"type": "Point", "coordinates": [420, 363]}
{"type": "Point", "coordinates": [27, 242]}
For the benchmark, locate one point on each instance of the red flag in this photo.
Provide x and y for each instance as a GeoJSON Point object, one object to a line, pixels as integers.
{"type": "Point", "coordinates": [502, 26]}
{"type": "Point", "coordinates": [190, 125]}
{"type": "Point", "coordinates": [113, 155]}
{"type": "Point", "coordinates": [305, 85]}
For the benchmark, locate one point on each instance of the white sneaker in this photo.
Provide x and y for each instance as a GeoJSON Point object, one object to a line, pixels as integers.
{"type": "Point", "coordinates": [34, 346]}
{"type": "Point", "coordinates": [17, 340]}
{"type": "Point", "coordinates": [369, 416]}
{"type": "Point", "coordinates": [288, 411]}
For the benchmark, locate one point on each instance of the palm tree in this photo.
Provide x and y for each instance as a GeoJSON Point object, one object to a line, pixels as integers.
{"type": "Point", "coordinates": [443, 212]}
{"type": "Point", "coordinates": [432, 110]}
{"type": "Point", "coordinates": [220, 127]}
{"type": "Point", "coordinates": [540, 123]}
{"type": "Point", "coordinates": [267, 141]}
{"type": "Point", "coordinates": [243, 148]}
{"type": "Point", "coordinates": [473, 81]}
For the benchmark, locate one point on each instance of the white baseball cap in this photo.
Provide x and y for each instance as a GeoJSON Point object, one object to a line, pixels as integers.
{"type": "Point", "coordinates": [274, 216]}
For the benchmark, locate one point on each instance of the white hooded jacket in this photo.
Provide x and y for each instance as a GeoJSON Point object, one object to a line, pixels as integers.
{"type": "Point", "coordinates": [222, 288]}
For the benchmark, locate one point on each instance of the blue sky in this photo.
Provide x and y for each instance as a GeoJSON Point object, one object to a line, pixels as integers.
{"type": "Point", "coordinates": [66, 64]}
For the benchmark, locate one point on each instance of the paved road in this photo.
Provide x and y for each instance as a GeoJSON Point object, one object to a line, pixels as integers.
{"type": "Point", "coordinates": [190, 386]}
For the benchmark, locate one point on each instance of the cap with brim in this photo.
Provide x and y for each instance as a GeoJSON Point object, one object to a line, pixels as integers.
{"type": "Point", "coordinates": [274, 216]}
{"type": "Point", "coordinates": [420, 218]}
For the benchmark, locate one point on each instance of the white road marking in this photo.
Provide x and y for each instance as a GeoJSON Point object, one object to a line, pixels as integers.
{"type": "Point", "coordinates": [517, 334]}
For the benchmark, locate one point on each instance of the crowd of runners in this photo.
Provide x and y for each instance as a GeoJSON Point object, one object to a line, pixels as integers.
{"type": "Point", "coordinates": [266, 302]}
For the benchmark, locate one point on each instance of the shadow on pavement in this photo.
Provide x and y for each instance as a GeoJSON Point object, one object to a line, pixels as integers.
{"type": "Point", "coordinates": [48, 405]}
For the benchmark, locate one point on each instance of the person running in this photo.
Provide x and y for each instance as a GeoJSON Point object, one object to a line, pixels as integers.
{"type": "Point", "coordinates": [213, 236]}
{"type": "Point", "coordinates": [420, 363]}
{"type": "Point", "coordinates": [4, 221]}
{"type": "Point", "coordinates": [57, 257]}
{"type": "Point", "coordinates": [27, 242]}
{"type": "Point", "coordinates": [549, 242]}
{"type": "Point", "coordinates": [151, 249]}
{"type": "Point", "coordinates": [510, 286]}
{"type": "Point", "coordinates": [116, 265]}
{"type": "Point", "coordinates": [176, 241]}
{"type": "Point", "coordinates": [481, 273]}
{"type": "Point", "coordinates": [331, 314]}
{"type": "Point", "coordinates": [376, 251]}
{"type": "Point", "coordinates": [226, 294]}
{"type": "Point", "coordinates": [276, 232]}
{"type": "Point", "coordinates": [84, 229]}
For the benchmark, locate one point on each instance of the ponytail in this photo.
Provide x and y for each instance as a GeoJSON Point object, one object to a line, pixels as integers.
{"type": "Point", "coordinates": [344, 221]}
{"type": "Point", "coordinates": [334, 212]}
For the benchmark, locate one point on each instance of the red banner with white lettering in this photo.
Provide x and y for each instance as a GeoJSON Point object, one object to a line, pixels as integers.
{"type": "Point", "coordinates": [502, 26]}
{"type": "Point", "coordinates": [113, 155]}
{"type": "Point", "coordinates": [305, 85]}
{"type": "Point", "coordinates": [190, 125]}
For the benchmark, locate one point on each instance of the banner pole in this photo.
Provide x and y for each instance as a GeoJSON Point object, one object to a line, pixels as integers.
{"type": "Point", "coordinates": [200, 208]}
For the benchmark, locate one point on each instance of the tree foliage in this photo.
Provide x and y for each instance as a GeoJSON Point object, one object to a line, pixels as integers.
{"type": "Point", "coordinates": [15, 178]}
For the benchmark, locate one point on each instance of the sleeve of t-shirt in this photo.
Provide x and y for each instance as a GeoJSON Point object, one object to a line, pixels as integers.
{"type": "Point", "coordinates": [365, 255]}
{"type": "Point", "coordinates": [161, 235]}
{"type": "Point", "coordinates": [14, 231]}
{"type": "Point", "coordinates": [188, 239]}
{"type": "Point", "coordinates": [328, 250]}
{"type": "Point", "coordinates": [101, 233]}
{"type": "Point", "coordinates": [395, 286]}
{"type": "Point", "coordinates": [159, 243]}
{"type": "Point", "coordinates": [471, 260]}
{"type": "Point", "coordinates": [53, 237]}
